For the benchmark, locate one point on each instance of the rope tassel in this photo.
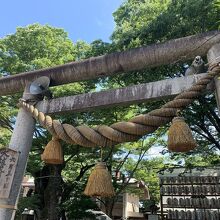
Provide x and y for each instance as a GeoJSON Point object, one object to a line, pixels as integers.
{"type": "Point", "coordinates": [53, 153]}
{"type": "Point", "coordinates": [180, 137]}
{"type": "Point", "coordinates": [100, 182]}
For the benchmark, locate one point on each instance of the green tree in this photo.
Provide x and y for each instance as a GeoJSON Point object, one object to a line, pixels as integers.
{"type": "Point", "coordinates": [57, 195]}
{"type": "Point", "coordinates": [30, 48]}
{"type": "Point", "coordinates": [35, 47]}
{"type": "Point", "coordinates": [133, 17]}
{"type": "Point", "coordinates": [173, 20]}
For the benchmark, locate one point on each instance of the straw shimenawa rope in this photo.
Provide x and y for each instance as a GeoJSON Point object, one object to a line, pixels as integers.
{"type": "Point", "coordinates": [122, 131]}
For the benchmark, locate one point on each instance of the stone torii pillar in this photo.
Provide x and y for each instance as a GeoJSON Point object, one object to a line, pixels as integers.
{"type": "Point", "coordinates": [214, 58]}
{"type": "Point", "coordinates": [21, 141]}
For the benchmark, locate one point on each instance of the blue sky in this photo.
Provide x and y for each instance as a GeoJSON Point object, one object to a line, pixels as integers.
{"type": "Point", "coordinates": [83, 19]}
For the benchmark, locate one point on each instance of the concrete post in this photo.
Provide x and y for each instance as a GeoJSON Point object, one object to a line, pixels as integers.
{"type": "Point", "coordinates": [213, 58]}
{"type": "Point", "coordinates": [21, 141]}
{"type": "Point", "coordinates": [125, 206]}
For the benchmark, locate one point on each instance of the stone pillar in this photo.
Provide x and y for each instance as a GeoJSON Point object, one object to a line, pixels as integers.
{"type": "Point", "coordinates": [213, 58]}
{"type": "Point", "coordinates": [21, 142]}
{"type": "Point", "coordinates": [125, 206]}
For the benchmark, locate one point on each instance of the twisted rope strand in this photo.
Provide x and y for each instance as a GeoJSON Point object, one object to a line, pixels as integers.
{"type": "Point", "coordinates": [120, 132]}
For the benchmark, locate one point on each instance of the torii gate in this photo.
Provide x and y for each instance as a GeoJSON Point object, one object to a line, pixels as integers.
{"type": "Point", "coordinates": [135, 59]}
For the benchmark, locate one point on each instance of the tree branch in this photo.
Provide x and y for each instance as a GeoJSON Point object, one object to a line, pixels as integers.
{"type": "Point", "coordinates": [203, 128]}
{"type": "Point", "coordinates": [122, 162]}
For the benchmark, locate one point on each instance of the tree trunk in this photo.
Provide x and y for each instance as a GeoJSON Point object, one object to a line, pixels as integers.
{"type": "Point", "coordinates": [53, 192]}
{"type": "Point", "coordinates": [41, 182]}
{"type": "Point", "coordinates": [49, 187]}
{"type": "Point", "coordinates": [109, 205]}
